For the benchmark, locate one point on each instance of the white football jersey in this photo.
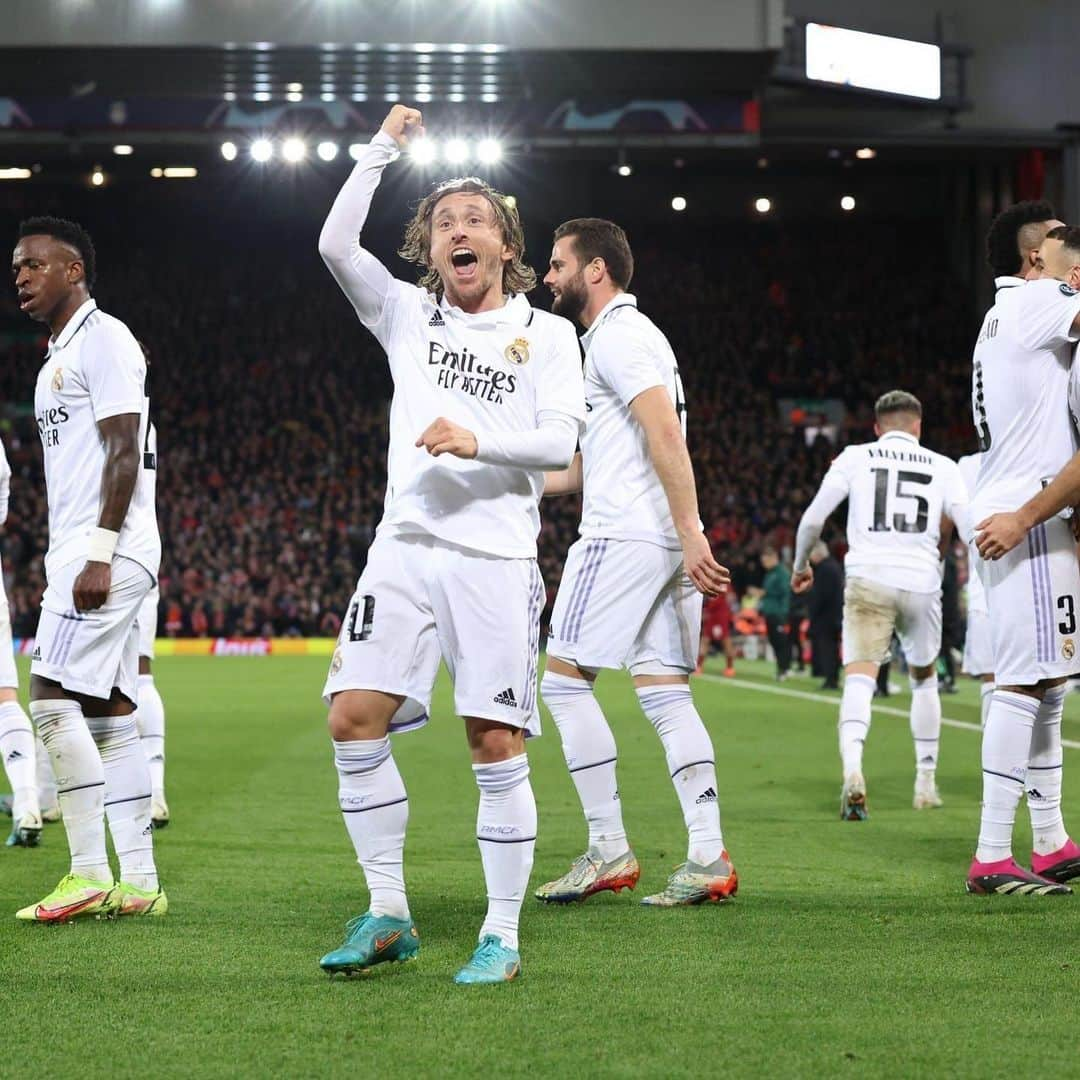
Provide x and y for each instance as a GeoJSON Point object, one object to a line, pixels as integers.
{"type": "Point", "coordinates": [623, 498]}
{"type": "Point", "coordinates": [897, 491]}
{"type": "Point", "coordinates": [5, 484]}
{"type": "Point", "coordinates": [976, 595]}
{"type": "Point", "coordinates": [496, 371]}
{"type": "Point", "coordinates": [93, 370]}
{"type": "Point", "coordinates": [1020, 390]}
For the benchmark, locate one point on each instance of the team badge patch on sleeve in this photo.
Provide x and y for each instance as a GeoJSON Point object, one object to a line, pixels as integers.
{"type": "Point", "coordinates": [1068, 649]}
{"type": "Point", "coordinates": [58, 380]}
{"type": "Point", "coordinates": [517, 352]}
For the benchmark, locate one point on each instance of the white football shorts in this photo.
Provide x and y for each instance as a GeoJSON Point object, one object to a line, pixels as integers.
{"type": "Point", "coordinates": [9, 674]}
{"type": "Point", "coordinates": [872, 612]}
{"type": "Point", "coordinates": [1033, 597]}
{"type": "Point", "coordinates": [420, 600]}
{"type": "Point", "coordinates": [148, 612]}
{"type": "Point", "coordinates": [92, 651]}
{"type": "Point", "coordinates": [626, 604]}
{"type": "Point", "coordinates": [978, 645]}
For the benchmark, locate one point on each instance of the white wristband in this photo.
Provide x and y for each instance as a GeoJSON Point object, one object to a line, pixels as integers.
{"type": "Point", "coordinates": [102, 545]}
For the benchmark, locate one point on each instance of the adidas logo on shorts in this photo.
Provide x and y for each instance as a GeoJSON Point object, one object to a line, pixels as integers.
{"type": "Point", "coordinates": [708, 795]}
{"type": "Point", "coordinates": [436, 319]}
{"type": "Point", "coordinates": [506, 698]}
{"type": "Point", "coordinates": [37, 654]}
{"type": "Point", "coordinates": [15, 756]}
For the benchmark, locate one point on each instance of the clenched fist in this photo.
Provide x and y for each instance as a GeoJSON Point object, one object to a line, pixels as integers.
{"type": "Point", "coordinates": [445, 437]}
{"type": "Point", "coordinates": [402, 124]}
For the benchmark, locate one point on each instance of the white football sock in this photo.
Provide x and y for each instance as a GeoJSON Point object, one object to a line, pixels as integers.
{"type": "Point", "coordinates": [80, 783]}
{"type": "Point", "coordinates": [1044, 775]}
{"type": "Point", "coordinates": [506, 830]}
{"type": "Point", "coordinates": [127, 797]}
{"type": "Point", "coordinates": [925, 722]}
{"type": "Point", "coordinates": [17, 753]}
{"type": "Point", "coordinates": [375, 807]}
{"type": "Point", "coordinates": [854, 724]}
{"type": "Point", "coordinates": [1006, 746]}
{"type": "Point", "coordinates": [691, 763]}
{"type": "Point", "coordinates": [46, 778]}
{"type": "Point", "coordinates": [986, 690]}
{"type": "Point", "coordinates": [151, 719]}
{"type": "Point", "coordinates": [589, 749]}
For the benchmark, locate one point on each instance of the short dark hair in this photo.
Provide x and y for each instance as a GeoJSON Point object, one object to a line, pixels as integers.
{"type": "Point", "coordinates": [1069, 235]}
{"type": "Point", "coordinates": [897, 401]}
{"type": "Point", "coordinates": [67, 232]}
{"type": "Point", "coordinates": [1005, 242]}
{"type": "Point", "coordinates": [597, 238]}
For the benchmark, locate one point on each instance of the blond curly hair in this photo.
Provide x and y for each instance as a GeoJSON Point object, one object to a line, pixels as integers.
{"type": "Point", "coordinates": [518, 277]}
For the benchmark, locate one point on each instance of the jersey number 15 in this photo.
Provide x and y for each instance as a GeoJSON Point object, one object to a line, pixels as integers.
{"type": "Point", "coordinates": [917, 506]}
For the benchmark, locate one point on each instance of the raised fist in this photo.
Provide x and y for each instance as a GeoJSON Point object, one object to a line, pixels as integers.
{"type": "Point", "coordinates": [403, 123]}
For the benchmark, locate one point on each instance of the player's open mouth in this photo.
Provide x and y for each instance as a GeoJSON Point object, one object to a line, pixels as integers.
{"type": "Point", "coordinates": [25, 301]}
{"type": "Point", "coordinates": [464, 261]}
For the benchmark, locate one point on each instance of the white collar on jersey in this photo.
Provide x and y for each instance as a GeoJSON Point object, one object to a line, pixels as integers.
{"type": "Point", "coordinates": [899, 435]}
{"type": "Point", "coordinates": [517, 311]}
{"type": "Point", "coordinates": [73, 324]}
{"type": "Point", "coordinates": [1009, 281]}
{"type": "Point", "coordinates": [623, 299]}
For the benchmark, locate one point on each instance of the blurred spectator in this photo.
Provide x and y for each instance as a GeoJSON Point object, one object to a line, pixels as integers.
{"type": "Point", "coordinates": [825, 607]}
{"type": "Point", "coordinates": [774, 605]}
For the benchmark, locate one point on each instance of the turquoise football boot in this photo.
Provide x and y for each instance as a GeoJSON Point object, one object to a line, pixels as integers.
{"type": "Point", "coordinates": [370, 940]}
{"type": "Point", "coordinates": [492, 963]}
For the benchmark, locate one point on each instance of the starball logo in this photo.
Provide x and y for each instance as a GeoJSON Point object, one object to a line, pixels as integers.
{"type": "Point", "coordinates": [464, 372]}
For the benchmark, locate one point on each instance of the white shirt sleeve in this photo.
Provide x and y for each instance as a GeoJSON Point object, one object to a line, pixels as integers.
{"type": "Point", "coordinates": [550, 446]}
{"type": "Point", "coordinates": [115, 371]}
{"type": "Point", "coordinates": [835, 488]}
{"type": "Point", "coordinates": [560, 384]}
{"type": "Point", "coordinates": [624, 361]}
{"type": "Point", "coordinates": [956, 502]}
{"type": "Point", "coordinates": [5, 484]}
{"type": "Point", "coordinates": [1046, 313]}
{"type": "Point", "coordinates": [370, 287]}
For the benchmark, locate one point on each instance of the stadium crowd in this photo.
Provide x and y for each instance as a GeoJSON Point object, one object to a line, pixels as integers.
{"type": "Point", "coordinates": [271, 405]}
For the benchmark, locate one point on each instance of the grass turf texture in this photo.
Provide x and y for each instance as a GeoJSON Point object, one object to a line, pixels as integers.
{"type": "Point", "coordinates": [851, 949]}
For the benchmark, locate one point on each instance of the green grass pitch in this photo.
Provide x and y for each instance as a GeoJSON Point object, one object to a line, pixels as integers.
{"type": "Point", "coordinates": [851, 949]}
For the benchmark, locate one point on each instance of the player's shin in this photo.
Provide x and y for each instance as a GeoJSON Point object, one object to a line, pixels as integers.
{"type": "Point", "coordinates": [1006, 746]}
{"type": "Point", "coordinates": [80, 779]}
{"type": "Point", "coordinates": [46, 779]}
{"type": "Point", "coordinates": [506, 831]}
{"type": "Point", "coordinates": [854, 725]}
{"type": "Point", "coordinates": [375, 808]}
{"type": "Point", "coordinates": [589, 749]}
{"type": "Point", "coordinates": [151, 720]}
{"type": "Point", "coordinates": [127, 797]}
{"type": "Point", "coordinates": [17, 754]}
{"type": "Point", "coordinates": [1043, 791]}
{"type": "Point", "coordinates": [691, 763]}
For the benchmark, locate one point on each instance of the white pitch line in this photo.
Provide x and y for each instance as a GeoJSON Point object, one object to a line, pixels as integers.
{"type": "Point", "coordinates": [822, 699]}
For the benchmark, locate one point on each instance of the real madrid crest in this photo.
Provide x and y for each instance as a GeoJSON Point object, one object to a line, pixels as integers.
{"type": "Point", "coordinates": [1068, 649]}
{"type": "Point", "coordinates": [58, 380]}
{"type": "Point", "coordinates": [517, 352]}
{"type": "Point", "coordinates": [335, 663]}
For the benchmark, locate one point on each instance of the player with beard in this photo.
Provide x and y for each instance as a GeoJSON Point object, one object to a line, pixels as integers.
{"type": "Point", "coordinates": [631, 592]}
{"type": "Point", "coordinates": [487, 396]}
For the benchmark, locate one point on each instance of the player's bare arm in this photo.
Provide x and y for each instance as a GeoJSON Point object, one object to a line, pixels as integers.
{"type": "Point", "coordinates": [1000, 533]}
{"type": "Point", "coordinates": [655, 412]}
{"type": "Point", "coordinates": [120, 434]}
{"type": "Point", "coordinates": [569, 481]}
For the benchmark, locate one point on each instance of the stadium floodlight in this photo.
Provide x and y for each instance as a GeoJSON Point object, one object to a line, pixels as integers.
{"type": "Point", "coordinates": [763, 205]}
{"type": "Point", "coordinates": [294, 96]}
{"type": "Point", "coordinates": [262, 95]}
{"type": "Point", "coordinates": [424, 151]}
{"type": "Point", "coordinates": [489, 151]}
{"type": "Point", "coordinates": [327, 150]}
{"type": "Point", "coordinates": [625, 169]}
{"type": "Point", "coordinates": [97, 177]}
{"type": "Point", "coordinates": [179, 172]}
{"type": "Point", "coordinates": [262, 150]}
{"type": "Point", "coordinates": [866, 153]}
{"type": "Point", "coordinates": [847, 202]}
{"type": "Point", "coordinates": [15, 174]}
{"type": "Point", "coordinates": [678, 203]}
{"type": "Point", "coordinates": [157, 172]}
{"type": "Point", "coordinates": [294, 150]}
{"type": "Point", "coordinates": [228, 151]}
{"type": "Point", "coordinates": [123, 150]}
{"type": "Point", "coordinates": [457, 151]}
{"type": "Point", "coordinates": [295, 88]}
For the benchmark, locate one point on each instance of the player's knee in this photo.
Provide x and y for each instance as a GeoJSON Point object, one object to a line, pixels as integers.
{"type": "Point", "coordinates": [922, 675]}
{"type": "Point", "coordinates": [490, 741]}
{"type": "Point", "coordinates": [557, 688]}
{"type": "Point", "coordinates": [352, 719]}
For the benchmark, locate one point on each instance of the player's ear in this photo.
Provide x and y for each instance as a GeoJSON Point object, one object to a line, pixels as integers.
{"type": "Point", "coordinates": [877, 429]}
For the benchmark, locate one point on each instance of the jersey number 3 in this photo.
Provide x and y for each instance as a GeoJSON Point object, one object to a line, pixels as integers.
{"type": "Point", "coordinates": [916, 519]}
